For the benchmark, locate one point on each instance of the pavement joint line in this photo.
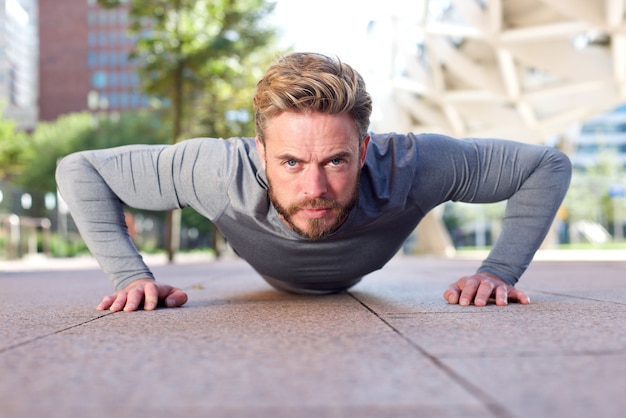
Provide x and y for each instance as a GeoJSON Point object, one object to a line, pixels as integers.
{"type": "Point", "coordinates": [41, 337]}
{"type": "Point", "coordinates": [534, 354]}
{"type": "Point", "coordinates": [545, 292]}
{"type": "Point", "coordinates": [491, 404]}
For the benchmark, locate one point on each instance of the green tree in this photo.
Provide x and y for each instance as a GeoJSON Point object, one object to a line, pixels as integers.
{"type": "Point", "coordinates": [186, 48]}
{"type": "Point", "coordinates": [13, 148]}
{"type": "Point", "coordinates": [588, 198]}
{"type": "Point", "coordinates": [51, 141]}
{"type": "Point", "coordinates": [226, 109]}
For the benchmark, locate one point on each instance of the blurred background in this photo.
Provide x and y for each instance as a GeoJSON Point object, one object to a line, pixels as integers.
{"type": "Point", "coordinates": [85, 74]}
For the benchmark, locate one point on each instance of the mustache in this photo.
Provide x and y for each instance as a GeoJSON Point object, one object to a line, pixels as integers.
{"type": "Point", "coordinates": [316, 203]}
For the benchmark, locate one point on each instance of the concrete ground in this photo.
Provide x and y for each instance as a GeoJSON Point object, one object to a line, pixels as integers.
{"type": "Point", "coordinates": [391, 347]}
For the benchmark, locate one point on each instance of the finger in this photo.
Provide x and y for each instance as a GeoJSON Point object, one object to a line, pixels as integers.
{"type": "Point", "coordinates": [451, 295]}
{"type": "Point", "coordinates": [469, 291]}
{"type": "Point", "coordinates": [519, 296]}
{"type": "Point", "coordinates": [484, 292]}
{"type": "Point", "coordinates": [502, 296]}
{"type": "Point", "coordinates": [133, 299]}
{"type": "Point", "coordinates": [175, 298]}
{"type": "Point", "coordinates": [119, 302]}
{"type": "Point", "coordinates": [106, 303]}
{"type": "Point", "coordinates": [151, 296]}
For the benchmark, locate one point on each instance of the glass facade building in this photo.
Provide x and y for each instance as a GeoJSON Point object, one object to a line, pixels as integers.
{"type": "Point", "coordinates": [18, 61]}
{"type": "Point", "coordinates": [85, 59]}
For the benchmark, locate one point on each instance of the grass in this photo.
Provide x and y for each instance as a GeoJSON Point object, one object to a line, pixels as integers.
{"type": "Point", "coordinates": [575, 246]}
{"type": "Point", "coordinates": [591, 246]}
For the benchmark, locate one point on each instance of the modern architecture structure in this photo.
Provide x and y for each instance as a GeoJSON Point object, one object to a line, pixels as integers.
{"type": "Point", "coordinates": [601, 138]}
{"type": "Point", "coordinates": [84, 61]}
{"type": "Point", "coordinates": [18, 61]}
{"type": "Point", "coordinates": [518, 69]}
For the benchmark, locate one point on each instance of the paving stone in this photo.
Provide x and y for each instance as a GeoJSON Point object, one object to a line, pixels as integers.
{"type": "Point", "coordinates": [596, 280]}
{"type": "Point", "coordinates": [301, 353]}
{"type": "Point", "coordinates": [576, 386]}
{"type": "Point", "coordinates": [553, 326]}
{"type": "Point", "coordinates": [390, 347]}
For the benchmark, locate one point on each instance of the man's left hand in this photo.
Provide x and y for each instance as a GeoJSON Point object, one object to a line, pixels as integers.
{"type": "Point", "coordinates": [480, 287]}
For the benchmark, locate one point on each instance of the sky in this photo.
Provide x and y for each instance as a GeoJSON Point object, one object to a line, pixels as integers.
{"type": "Point", "coordinates": [340, 28]}
{"type": "Point", "coordinates": [337, 27]}
{"type": "Point", "coordinates": [334, 27]}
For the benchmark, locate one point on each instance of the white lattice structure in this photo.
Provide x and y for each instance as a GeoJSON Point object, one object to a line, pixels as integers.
{"type": "Point", "coordinates": [519, 69]}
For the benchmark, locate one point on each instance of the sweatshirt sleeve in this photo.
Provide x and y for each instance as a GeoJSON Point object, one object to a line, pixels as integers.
{"type": "Point", "coordinates": [97, 184]}
{"type": "Point", "coordinates": [533, 179]}
{"type": "Point", "coordinates": [542, 177]}
{"type": "Point", "coordinates": [92, 183]}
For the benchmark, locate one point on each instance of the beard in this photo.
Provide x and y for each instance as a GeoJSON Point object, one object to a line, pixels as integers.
{"type": "Point", "coordinates": [317, 227]}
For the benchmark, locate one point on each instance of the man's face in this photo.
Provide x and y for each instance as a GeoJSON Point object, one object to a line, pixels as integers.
{"type": "Point", "coordinates": [312, 163]}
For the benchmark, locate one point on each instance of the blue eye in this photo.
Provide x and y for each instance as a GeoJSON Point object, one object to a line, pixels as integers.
{"type": "Point", "coordinates": [291, 163]}
{"type": "Point", "coordinates": [336, 161]}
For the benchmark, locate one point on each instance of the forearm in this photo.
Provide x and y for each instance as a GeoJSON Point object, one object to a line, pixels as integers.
{"type": "Point", "coordinates": [99, 216]}
{"type": "Point", "coordinates": [532, 179]}
{"type": "Point", "coordinates": [528, 217]}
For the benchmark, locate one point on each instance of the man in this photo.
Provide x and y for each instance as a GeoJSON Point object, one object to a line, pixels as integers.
{"type": "Point", "coordinates": [314, 202]}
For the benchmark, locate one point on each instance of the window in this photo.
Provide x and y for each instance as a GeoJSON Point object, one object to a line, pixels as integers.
{"type": "Point", "coordinates": [92, 17]}
{"type": "Point", "coordinates": [588, 148]}
{"type": "Point", "coordinates": [114, 100]}
{"type": "Point", "coordinates": [92, 59]}
{"type": "Point", "coordinates": [124, 79]}
{"type": "Point", "coordinates": [109, 17]}
{"type": "Point", "coordinates": [113, 77]}
{"type": "Point", "coordinates": [123, 17]}
{"type": "Point", "coordinates": [136, 100]}
{"type": "Point", "coordinates": [595, 128]}
{"type": "Point", "coordinates": [102, 17]}
{"type": "Point", "coordinates": [124, 100]}
{"type": "Point", "coordinates": [99, 79]}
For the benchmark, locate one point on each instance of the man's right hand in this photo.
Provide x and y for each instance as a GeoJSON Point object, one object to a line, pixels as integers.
{"type": "Point", "coordinates": [145, 291]}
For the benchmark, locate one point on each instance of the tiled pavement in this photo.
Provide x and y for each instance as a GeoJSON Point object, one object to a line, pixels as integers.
{"type": "Point", "coordinates": [391, 347]}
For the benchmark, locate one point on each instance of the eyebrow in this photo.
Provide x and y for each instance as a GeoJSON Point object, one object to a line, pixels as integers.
{"type": "Point", "coordinates": [342, 154]}
{"type": "Point", "coordinates": [288, 156]}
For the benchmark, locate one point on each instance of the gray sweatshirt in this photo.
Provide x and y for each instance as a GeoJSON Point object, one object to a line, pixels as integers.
{"type": "Point", "coordinates": [403, 178]}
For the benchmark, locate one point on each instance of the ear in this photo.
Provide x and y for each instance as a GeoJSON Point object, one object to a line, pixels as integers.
{"type": "Point", "coordinates": [261, 150]}
{"type": "Point", "coordinates": [363, 149]}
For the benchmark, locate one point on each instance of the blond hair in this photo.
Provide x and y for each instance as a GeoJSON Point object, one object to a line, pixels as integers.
{"type": "Point", "coordinates": [311, 82]}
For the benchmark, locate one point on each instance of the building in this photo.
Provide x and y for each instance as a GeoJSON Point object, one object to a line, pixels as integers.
{"type": "Point", "coordinates": [600, 138]}
{"type": "Point", "coordinates": [18, 61]}
{"type": "Point", "coordinates": [517, 69]}
{"type": "Point", "coordinates": [84, 63]}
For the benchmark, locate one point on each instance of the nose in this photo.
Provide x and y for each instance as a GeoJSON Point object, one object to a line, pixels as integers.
{"type": "Point", "coordinates": [315, 183]}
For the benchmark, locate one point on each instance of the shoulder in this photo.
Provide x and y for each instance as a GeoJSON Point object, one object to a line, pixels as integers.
{"type": "Point", "coordinates": [392, 140]}
{"type": "Point", "coordinates": [404, 147]}
{"type": "Point", "coordinates": [231, 153]}
{"type": "Point", "coordinates": [218, 151]}
{"type": "Point", "coordinates": [235, 143]}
